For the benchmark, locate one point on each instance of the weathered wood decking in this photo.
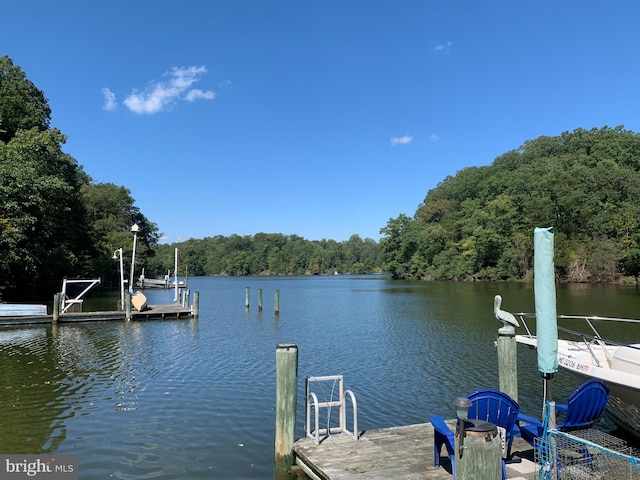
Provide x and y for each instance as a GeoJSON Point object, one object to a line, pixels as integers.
{"type": "Point", "coordinates": [152, 312]}
{"type": "Point", "coordinates": [397, 453]}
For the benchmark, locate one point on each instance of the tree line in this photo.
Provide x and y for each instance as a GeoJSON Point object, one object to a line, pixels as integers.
{"type": "Point", "coordinates": [55, 221]}
{"type": "Point", "coordinates": [269, 254]}
{"type": "Point", "coordinates": [478, 224]}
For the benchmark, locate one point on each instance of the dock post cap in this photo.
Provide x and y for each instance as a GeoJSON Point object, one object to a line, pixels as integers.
{"type": "Point", "coordinates": [287, 345]}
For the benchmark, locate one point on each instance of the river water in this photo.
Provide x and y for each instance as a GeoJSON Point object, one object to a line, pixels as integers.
{"type": "Point", "coordinates": [195, 398]}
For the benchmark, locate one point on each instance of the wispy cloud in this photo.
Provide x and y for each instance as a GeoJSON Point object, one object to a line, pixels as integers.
{"type": "Point", "coordinates": [163, 95]}
{"type": "Point", "coordinates": [110, 103]}
{"type": "Point", "coordinates": [442, 47]}
{"type": "Point", "coordinates": [401, 140]}
{"type": "Point", "coordinates": [197, 94]}
{"type": "Point", "coordinates": [434, 137]}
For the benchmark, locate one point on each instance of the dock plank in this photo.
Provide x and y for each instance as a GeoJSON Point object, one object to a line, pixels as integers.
{"type": "Point", "coordinates": [398, 453]}
{"type": "Point", "coordinates": [152, 312]}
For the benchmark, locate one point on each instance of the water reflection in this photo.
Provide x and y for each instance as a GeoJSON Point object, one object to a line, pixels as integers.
{"type": "Point", "coordinates": [195, 398]}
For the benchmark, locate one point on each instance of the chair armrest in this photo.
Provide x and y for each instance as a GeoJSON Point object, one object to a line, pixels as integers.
{"type": "Point", "coordinates": [523, 417]}
{"type": "Point", "coordinates": [440, 426]}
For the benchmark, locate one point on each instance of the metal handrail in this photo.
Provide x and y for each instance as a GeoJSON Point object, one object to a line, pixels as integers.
{"type": "Point", "coordinates": [312, 399]}
{"type": "Point", "coordinates": [343, 415]}
{"type": "Point", "coordinates": [586, 339]}
{"type": "Point", "coordinates": [313, 402]}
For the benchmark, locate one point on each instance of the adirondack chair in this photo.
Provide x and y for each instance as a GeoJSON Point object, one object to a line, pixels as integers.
{"type": "Point", "coordinates": [584, 407]}
{"type": "Point", "coordinates": [487, 404]}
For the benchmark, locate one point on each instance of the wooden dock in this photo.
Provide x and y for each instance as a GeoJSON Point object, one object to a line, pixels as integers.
{"type": "Point", "coordinates": [152, 312]}
{"type": "Point", "coordinates": [398, 453]}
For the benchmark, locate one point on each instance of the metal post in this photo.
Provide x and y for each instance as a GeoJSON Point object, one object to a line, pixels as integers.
{"type": "Point", "coordinates": [286, 399]}
{"type": "Point", "coordinates": [134, 229]}
{"type": "Point", "coordinates": [175, 277]}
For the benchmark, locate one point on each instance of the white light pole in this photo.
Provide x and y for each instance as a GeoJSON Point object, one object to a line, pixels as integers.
{"type": "Point", "coordinates": [175, 272]}
{"type": "Point", "coordinates": [134, 228]}
{"type": "Point", "coordinates": [116, 254]}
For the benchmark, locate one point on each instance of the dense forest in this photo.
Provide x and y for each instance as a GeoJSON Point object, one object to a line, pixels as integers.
{"type": "Point", "coordinates": [270, 254]}
{"type": "Point", "coordinates": [55, 221]}
{"type": "Point", "coordinates": [478, 224]}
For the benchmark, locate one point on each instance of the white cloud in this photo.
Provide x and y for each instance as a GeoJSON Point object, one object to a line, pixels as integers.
{"type": "Point", "coordinates": [401, 140]}
{"type": "Point", "coordinates": [161, 96]}
{"type": "Point", "coordinates": [442, 47]}
{"type": "Point", "coordinates": [434, 137]}
{"type": "Point", "coordinates": [110, 103]}
{"type": "Point", "coordinates": [197, 94]}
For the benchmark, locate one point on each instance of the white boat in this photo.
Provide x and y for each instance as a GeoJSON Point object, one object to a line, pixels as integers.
{"type": "Point", "coordinates": [592, 356]}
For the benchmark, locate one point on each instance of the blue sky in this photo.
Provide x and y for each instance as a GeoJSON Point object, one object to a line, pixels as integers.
{"type": "Point", "coordinates": [321, 118]}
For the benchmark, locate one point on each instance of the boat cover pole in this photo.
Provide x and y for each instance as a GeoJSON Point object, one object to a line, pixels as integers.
{"type": "Point", "coordinates": [545, 301]}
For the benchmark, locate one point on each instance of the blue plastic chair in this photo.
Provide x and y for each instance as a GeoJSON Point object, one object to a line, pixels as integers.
{"type": "Point", "coordinates": [583, 408]}
{"type": "Point", "coordinates": [489, 405]}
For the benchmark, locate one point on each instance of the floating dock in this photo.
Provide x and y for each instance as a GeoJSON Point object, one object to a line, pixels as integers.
{"type": "Point", "coordinates": [398, 453]}
{"type": "Point", "coordinates": [152, 312]}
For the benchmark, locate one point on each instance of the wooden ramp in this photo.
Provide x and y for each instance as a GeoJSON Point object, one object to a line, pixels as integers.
{"type": "Point", "coordinates": [395, 453]}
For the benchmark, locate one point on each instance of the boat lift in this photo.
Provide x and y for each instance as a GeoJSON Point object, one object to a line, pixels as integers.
{"type": "Point", "coordinates": [67, 302]}
{"type": "Point", "coordinates": [313, 402]}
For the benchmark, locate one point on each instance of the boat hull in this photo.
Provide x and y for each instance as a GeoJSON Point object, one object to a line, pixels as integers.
{"type": "Point", "coordinates": [618, 368]}
{"type": "Point", "coordinates": [139, 301]}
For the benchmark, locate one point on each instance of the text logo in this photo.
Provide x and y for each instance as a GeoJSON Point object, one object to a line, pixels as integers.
{"type": "Point", "coordinates": [43, 466]}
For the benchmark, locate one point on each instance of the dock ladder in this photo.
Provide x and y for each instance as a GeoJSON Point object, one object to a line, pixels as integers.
{"type": "Point", "coordinates": [314, 404]}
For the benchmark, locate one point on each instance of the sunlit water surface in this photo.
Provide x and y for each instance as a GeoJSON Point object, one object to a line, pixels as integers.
{"type": "Point", "coordinates": [195, 399]}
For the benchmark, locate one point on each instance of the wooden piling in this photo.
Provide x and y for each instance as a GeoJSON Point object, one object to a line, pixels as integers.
{"type": "Point", "coordinates": [196, 304]}
{"type": "Point", "coordinates": [127, 306]}
{"type": "Point", "coordinates": [259, 299]}
{"type": "Point", "coordinates": [481, 456]}
{"type": "Point", "coordinates": [276, 298]}
{"type": "Point", "coordinates": [187, 294]}
{"type": "Point", "coordinates": [508, 361]}
{"type": "Point", "coordinates": [246, 298]}
{"type": "Point", "coordinates": [286, 400]}
{"type": "Point", "coordinates": [56, 308]}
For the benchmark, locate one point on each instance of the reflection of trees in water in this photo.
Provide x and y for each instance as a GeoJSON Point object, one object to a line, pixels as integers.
{"type": "Point", "coordinates": [30, 382]}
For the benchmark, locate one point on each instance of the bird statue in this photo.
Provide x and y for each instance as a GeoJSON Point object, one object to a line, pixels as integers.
{"type": "Point", "coordinates": [502, 316]}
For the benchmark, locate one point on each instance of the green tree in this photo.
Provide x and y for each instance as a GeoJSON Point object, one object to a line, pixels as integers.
{"type": "Point", "coordinates": [22, 105]}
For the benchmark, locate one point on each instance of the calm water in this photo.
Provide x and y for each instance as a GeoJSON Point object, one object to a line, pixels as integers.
{"type": "Point", "coordinates": [195, 399]}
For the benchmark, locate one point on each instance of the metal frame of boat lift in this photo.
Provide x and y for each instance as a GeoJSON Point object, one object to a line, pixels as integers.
{"type": "Point", "coordinates": [67, 303]}
{"type": "Point", "coordinates": [312, 401]}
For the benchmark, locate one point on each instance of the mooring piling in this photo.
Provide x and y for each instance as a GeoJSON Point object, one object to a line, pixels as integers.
{"type": "Point", "coordinates": [56, 308]}
{"type": "Point", "coordinates": [286, 400]}
{"type": "Point", "coordinates": [127, 305]}
{"type": "Point", "coordinates": [246, 298]}
{"type": "Point", "coordinates": [508, 361]}
{"type": "Point", "coordinates": [259, 299]}
{"type": "Point", "coordinates": [276, 298]}
{"type": "Point", "coordinates": [196, 304]}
